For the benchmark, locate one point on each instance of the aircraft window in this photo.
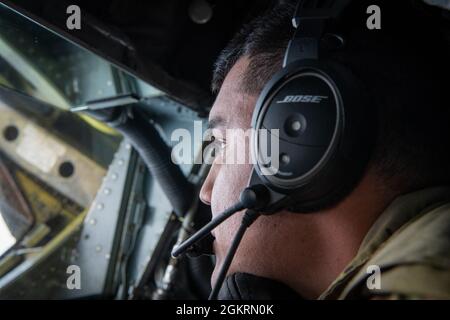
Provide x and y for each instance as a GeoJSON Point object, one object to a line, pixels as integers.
{"type": "Point", "coordinates": [52, 161]}
{"type": "Point", "coordinates": [61, 172]}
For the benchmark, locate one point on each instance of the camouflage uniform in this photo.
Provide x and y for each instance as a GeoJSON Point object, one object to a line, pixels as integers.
{"type": "Point", "coordinates": [410, 243]}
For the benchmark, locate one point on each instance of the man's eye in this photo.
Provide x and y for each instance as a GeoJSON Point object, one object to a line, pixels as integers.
{"type": "Point", "coordinates": [221, 143]}
{"type": "Point", "coordinates": [217, 143]}
{"type": "Point", "coordinates": [216, 146]}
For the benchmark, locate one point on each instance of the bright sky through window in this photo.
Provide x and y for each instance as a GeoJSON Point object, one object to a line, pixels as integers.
{"type": "Point", "coordinates": [6, 238]}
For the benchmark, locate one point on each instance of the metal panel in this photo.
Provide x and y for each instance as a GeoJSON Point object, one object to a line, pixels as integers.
{"type": "Point", "coordinates": [95, 251]}
{"type": "Point", "coordinates": [42, 153]}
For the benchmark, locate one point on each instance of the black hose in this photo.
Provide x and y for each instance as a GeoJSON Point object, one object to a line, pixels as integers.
{"type": "Point", "coordinates": [155, 152]}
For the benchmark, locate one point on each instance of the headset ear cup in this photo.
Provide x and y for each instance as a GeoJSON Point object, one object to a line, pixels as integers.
{"type": "Point", "coordinates": [331, 176]}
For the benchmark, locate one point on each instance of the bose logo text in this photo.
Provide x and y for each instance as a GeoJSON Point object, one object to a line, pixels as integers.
{"type": "Point", "coordinates": [302, 98]}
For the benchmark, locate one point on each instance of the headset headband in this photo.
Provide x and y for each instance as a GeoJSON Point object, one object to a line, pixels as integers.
{"type": "Point", "coordinates": [309, 21]}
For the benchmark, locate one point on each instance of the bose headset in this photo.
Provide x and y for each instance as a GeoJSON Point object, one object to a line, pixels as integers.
{"type": "Point", "coordinates": [325, 129]}
{"type": "Point", "coordinates": [322, 113]}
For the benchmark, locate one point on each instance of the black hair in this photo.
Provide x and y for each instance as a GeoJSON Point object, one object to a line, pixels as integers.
{"type": "Point", "coordinates": [404, 66]}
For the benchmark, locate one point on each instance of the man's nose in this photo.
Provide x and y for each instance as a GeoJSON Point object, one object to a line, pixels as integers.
{"type": "Point", "coordinates": [206, 190]}
{"type": "Point", "coordinates": [207, 187]}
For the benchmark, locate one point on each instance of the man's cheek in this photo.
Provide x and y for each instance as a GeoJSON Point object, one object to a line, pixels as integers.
{"type": "Point", "coordinates": [225, 233]}
{"type": "Point", "coordinates": [227, 186]}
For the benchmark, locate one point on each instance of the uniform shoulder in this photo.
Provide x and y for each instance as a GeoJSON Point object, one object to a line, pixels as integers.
{"type": "Point", "coordinates": [413, 263]}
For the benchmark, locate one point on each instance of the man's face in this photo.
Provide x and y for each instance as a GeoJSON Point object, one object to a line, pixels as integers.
{"type": "Point", "coordinates": [230, 119]}
{"type": "Point", "coordinates": [232, 110]}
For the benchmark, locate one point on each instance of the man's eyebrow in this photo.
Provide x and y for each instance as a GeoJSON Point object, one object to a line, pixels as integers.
{"type": "Point", "coordinates": [216, 122]}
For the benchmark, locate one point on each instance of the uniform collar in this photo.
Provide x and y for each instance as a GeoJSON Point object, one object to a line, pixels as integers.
{"type": "Point", "coordinates": [402, 210]}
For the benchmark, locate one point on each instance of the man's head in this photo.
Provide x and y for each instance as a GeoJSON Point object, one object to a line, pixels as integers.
{"type": "Point", "coordinates": [412, 120]}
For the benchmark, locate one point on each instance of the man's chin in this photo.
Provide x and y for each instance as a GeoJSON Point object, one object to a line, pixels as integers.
{"type": "Point", "coordinates": [218, 258]}
{"type": "Point", "coordinates": [218, 266]}
{"type": "Point", "coordinates": [215, 272]}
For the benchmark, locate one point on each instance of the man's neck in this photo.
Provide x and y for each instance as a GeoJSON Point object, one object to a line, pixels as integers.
{"type": "Point", "coordinates": [332, 238]}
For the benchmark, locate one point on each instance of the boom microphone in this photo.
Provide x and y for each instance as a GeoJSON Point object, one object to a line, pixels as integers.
{"type": "Point", "coordinates": [249, 217]}
{"type": "Point", "coordinates": [254, 197]}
